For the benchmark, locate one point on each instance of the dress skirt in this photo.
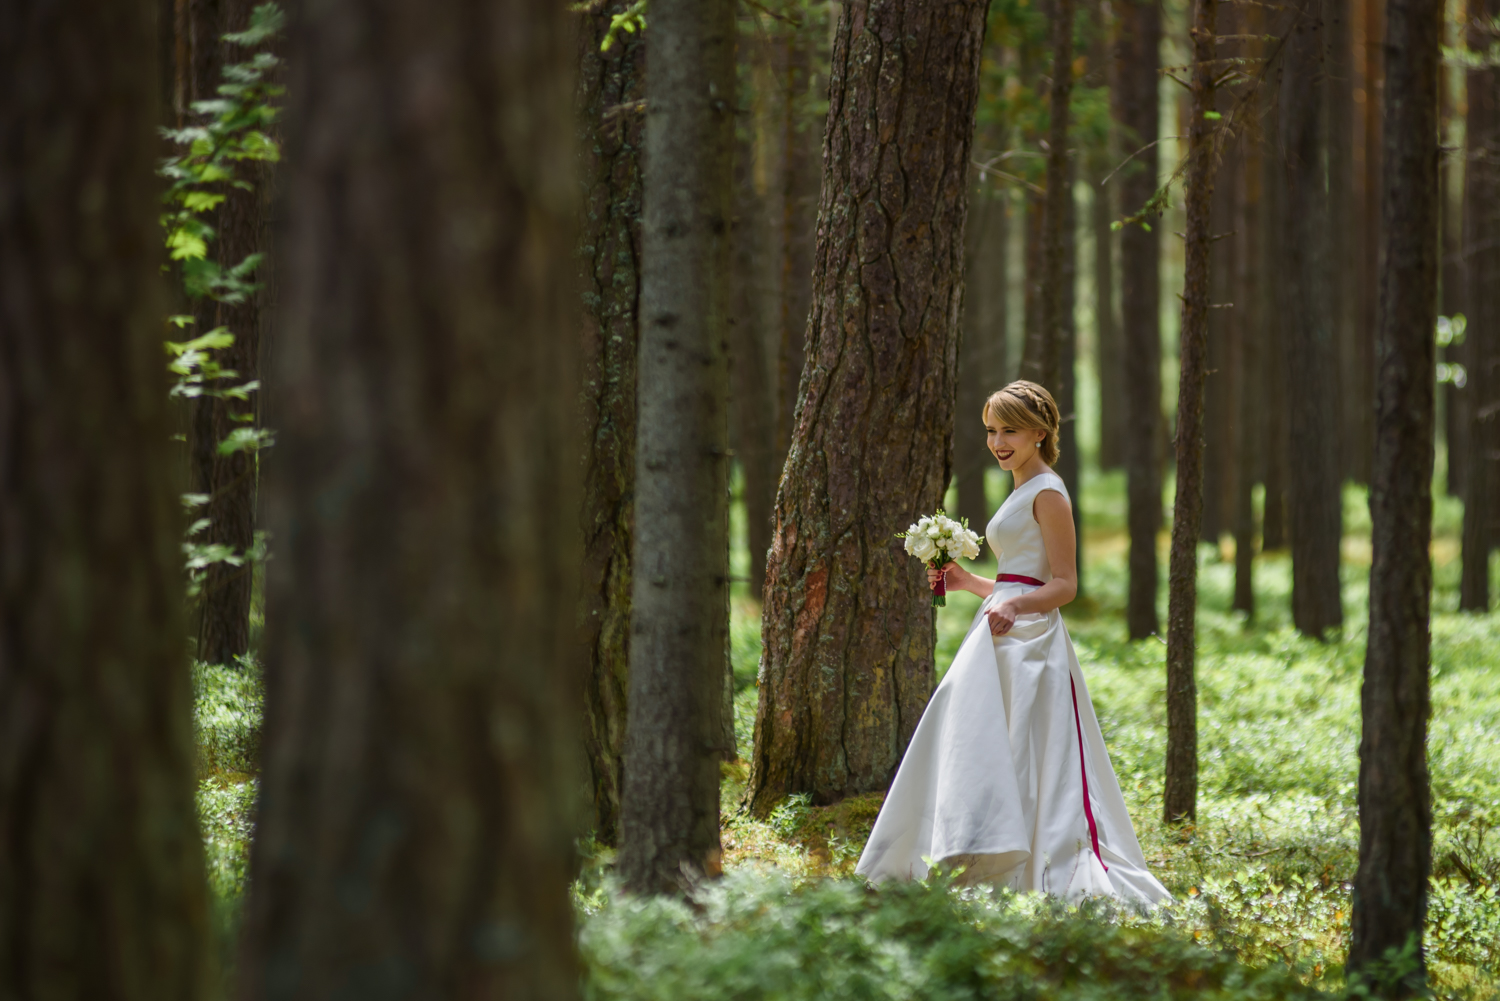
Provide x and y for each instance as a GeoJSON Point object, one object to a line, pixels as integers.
{"type": "Point", "coordinates": [1007, 775]}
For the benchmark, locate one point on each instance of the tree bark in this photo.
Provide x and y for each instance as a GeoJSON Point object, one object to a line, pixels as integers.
{"type": "Point", "coordinates": [1218, 412]}
{"type": "Point", "coordinates": [680, 617]}
{"type": "Point", "coordinates": [1136, 111]}
{"type": "Point", "coordinates": [752, 424]}
{"type": "Point", "coordinates": [1043, 358]}
{"type": "Point", "coordinates": [1108, 356]}
{"type": "Point", "coordinates": [1309, 371]}
{"type": "Point", "coordinates": [102, 890]}
{"type": "Point", "coordinates": [1069, 458]}
{"type": "Point", "coordinates": [611, 126]}
{"type": "Point", "coordinates": [1180, 798]}
{"type": "Point", "coordinates": [422, 662]}
{"type": "Point", "coordinates": [229, 481]}
{"type": "Point", "coordinates": [1355, 384]}
{"type": "Point", "coordinates": [1245, 358]}
{"type": "Point", "coordinates": [1272, 332]}
{"type": "Point", "coordinates": [848, 626]}
{"type": "Point", "coordinates": [1395, 812]}
{"type": "Point", "coordinates": [1482, 338]}
{"type": "Point", "coordinates": [970, 456]}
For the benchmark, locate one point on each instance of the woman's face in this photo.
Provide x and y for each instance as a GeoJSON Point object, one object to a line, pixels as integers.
{"type": "Point", "coordinates": [1013, 447]}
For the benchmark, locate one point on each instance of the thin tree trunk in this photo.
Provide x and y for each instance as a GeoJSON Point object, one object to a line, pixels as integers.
{"type": "Point", "coordinates": [1371, 242]}
{"type": "Point", "coordinates": [1482, 338]}
{"type": "Point", "coordinates": [1455, 397]}
{"type": "Point", "coordinates": [1218, 412]}
{"type": "Point", "coordinates": [1102, 209]}
{"type": "Point", "coordinates": [422, 663]}
{"type": "Point", "coordinates": [1043, 359]}
{"type": "Point", "coordinates": [1395, 811]}
{"type": "Point", "coordinates": [1355, 437]}
{"type": "Point", "coordinates": [970, 457]}
{"type": "Point", "coordinates": [611, 128]}
{"type": "Point", "coordinates": [1180, 798]}
{"type": "Point", "coordinates": [1272, 334]}
{"type": "Point", "coordinates": [848, 626]}
{"type": "Point", "coordinates": [680, 620]}
{"type": "Point", "coordinates": [1108, 359]}
{"type": "Point", "coordinates": [802, 140]}
{"type": "Point", "coordinates": [752, 425]}
{"type": "Point", "coordinates": [102, 890]}
{"type": "Point", "coordinates": [1136, 111]}
{"type": "Point", "coordinates": [229, 481]}
{"type": "Point", "coordinates": [1309, 370]}
{"type": "Point", "coordinates": [1245, 361]}
{"type": "Point", "coordinates": [1069, 461]}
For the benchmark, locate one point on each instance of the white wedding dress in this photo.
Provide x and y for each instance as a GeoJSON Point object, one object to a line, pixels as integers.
{"type": "Point", "coordinates": [1007, 774]}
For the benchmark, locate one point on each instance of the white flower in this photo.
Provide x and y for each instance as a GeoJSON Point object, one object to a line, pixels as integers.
{"type": "Point", "coordinates": [925, 549]}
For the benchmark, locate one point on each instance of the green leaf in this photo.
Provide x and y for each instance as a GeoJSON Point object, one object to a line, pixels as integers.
{"type": "Point", "coordinates": [1212, 116]}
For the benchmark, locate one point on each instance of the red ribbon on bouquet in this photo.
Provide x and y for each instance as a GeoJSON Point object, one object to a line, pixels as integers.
{"type": "Point", "coordinates": [940, 586]}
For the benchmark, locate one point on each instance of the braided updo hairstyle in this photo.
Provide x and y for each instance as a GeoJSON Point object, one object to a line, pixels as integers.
{"type": "Point", "coordinates": [1023, 405]}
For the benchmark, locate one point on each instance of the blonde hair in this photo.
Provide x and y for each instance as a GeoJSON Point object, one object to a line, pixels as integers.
{"type": "Point", "coordinates": [1024, 405]}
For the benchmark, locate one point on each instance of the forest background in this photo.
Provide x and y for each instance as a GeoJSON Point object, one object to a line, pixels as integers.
{"type": "Point", "coordinates": [1263, 857]}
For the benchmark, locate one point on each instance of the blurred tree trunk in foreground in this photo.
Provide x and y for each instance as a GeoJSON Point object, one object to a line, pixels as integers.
{"type": "Point", "coordinates": [679, 628]}
{"type": "Point", "coordinates": [1136, 110]}
{"type": "Point", "coordinates": [102, 891]}
{"type": "Point", "coordinates": [846, 610]}
{"type": "Point", "coordinates": [1308, 369]}
{"type": "Point", "coordinates": [416, 812]}
{"type": "Point", "coordinates": [1395, 811]}
{"type": "Point", "coordinates": [1180, 797]}
{"type": "Point", "coordinates": [1482, 338]}
{"type": "Point", "coordinates": [611, 125]}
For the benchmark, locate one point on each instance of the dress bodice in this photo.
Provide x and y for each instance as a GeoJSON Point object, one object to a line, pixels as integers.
{"type": "Point", "coordinates": [1015, 536]}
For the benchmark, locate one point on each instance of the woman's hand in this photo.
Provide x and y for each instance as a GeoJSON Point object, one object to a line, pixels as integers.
{"type": "Point", "coordinates": [1002, 617]}
{"type": "Point", "coordinates": [955, 573]}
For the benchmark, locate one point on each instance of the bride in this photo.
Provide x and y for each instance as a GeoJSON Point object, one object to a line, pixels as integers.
{"type": "Point", "coordinates": [1007, 774]}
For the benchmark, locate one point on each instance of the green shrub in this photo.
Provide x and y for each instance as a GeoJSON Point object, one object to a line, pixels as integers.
{"type": "Point", "coordinates": [756, 934]}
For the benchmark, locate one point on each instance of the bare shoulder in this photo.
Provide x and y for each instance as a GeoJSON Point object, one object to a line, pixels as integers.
{"type": "Point", "coordinates": [1051, 504]}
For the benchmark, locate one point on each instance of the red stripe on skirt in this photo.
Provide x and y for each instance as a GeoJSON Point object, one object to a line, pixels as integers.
{"type": "Point", "coordinates": [1088, 810]}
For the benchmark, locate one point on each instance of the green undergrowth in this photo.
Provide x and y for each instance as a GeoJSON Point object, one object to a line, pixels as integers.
{"type": "Point", "coordinates": [761, 934]}
{"type": "Point", "coordinates": [1262, 877]}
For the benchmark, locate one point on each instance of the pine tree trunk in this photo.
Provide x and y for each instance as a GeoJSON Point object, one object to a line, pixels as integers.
{"type": "Point", "coordinates": [752, 418]}
{"type": "Point", "coordinates": [1455, 397]}
{"type": "Point", "coordinates": [1136, 112]}
{"type": "Point", "coordinates": [1069, 462]}
{"type": "Point", "coordinates": [417, 812]}
{"type": "Point", "coordinates": [102, 891]}
{"type": "Point", "coordinates": [1218, 412]}
{"type": "Point", "coordinates": [1102, 212]}
{"type": "Point", "coordinates": [970, 456]}
{"type": "Point", "coordinates": [611, 124]}
{"type": "Point", "coordinates": [848, 625]}
{"type": "Point", "coordinates": [680, 620]}
{"type": "Point", "coordinates": [1482, 338]}
{"type": "Point", "coordinates": [1271, 331]}
{"type": "Point", "coordinates": [1108, 358]}
{"type": "Point", "coordinates": [1043, 358]}
{"type": "Point", "coordinates": [1245, 360]}
{"type": "Point", "coordinates": [1309, 368]}
{"type": "Point", "coordinates": [1395, 811]}
{"type": "Point", "coordinates": [1368, 259]}
{"type": "Point", "coordinates": [1355, 437]}
{"type": "Point", "coordinates": [1180, 798]}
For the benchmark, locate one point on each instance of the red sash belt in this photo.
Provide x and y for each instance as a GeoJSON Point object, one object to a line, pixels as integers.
{"type": "Point", "coordinates": [1015, 578]}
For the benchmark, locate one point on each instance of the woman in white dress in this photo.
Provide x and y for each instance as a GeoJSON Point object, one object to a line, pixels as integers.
{"type": "Point", "coordinates": [1007, 774]}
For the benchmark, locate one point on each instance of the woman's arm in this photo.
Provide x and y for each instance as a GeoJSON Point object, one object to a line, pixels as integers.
{"type": "Point", "coordinates": [960, 579]}
{"type": "Point", "coordinates": [1055, 517]}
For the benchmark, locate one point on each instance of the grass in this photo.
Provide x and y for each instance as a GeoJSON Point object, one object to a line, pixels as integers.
{"type": "Point", "coordinates": [1262, 880]}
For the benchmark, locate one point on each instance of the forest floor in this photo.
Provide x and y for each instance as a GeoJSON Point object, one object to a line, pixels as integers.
{"type": "Point", "coordinates": [1262, 880]}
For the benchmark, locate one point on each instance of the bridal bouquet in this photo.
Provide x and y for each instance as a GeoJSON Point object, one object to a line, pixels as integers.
{"type": "Point", "coordinates": [935, 540]}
